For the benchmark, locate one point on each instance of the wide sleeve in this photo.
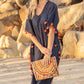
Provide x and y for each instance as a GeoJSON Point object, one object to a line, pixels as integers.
{"type": "Point", "coordinates": [53, 18]}
{"type": "Point", "coordinates": [29, 27]}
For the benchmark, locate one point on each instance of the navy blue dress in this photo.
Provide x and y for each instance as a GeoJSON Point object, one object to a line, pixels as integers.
{"type": "Point", "coordinates": [39, 27]}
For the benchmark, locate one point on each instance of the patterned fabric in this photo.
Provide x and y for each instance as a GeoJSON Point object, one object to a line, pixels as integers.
{"type": "Point", "coordinates": [43, 72]}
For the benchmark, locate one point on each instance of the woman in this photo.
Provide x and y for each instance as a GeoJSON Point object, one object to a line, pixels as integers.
{"type": "Point", "coordinates": [41, 25]}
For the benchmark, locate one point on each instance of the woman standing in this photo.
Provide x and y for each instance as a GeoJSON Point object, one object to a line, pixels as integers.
{"type": "Point", "coordinates": [41, 25]}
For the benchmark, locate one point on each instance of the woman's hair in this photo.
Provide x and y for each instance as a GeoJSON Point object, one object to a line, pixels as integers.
{"type": "Point", "coordinates": [31, 8]}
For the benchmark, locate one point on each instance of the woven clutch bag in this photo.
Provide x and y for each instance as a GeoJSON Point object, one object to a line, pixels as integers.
{"type": "Point", "coordinates": [44, 72]}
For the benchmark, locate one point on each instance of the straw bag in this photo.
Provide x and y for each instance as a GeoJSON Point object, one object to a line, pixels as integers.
{"type": "Point", "coordinates": [44, 72]}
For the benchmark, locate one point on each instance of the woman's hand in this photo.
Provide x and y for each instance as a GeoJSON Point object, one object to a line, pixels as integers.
{"type": "Point", "coordinates": [47, 54]}
{"type": "Point", "coordinates": [47, 59]}
{"type": "Point", "coordinates": [45, 51]}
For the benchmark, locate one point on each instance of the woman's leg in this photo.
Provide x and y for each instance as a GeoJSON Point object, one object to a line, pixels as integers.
{"type": "Point", "coordinates": [33, 80]}
{"type": "Point", "coordinates": [46, 81]}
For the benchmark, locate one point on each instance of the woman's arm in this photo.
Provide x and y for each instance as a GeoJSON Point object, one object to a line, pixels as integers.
{"type": "Point", "coordinates": [36, 42]}
{"type": "Point", "coordinates": [50, 38]}
{"type": "Point", "coordinates": [49, 45]}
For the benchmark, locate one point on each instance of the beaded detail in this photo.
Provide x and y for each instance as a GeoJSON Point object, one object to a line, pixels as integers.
{"type": "Point", "coordinates": [55, 45]}
{"type": "Point", "coordinates": [45, 30]}
{"type": "Point", "coordinates": [55, 32]}
{"type": "Point", "coordinates": [32, 46]}
{"type": "Point", "coordinates": [45, 22]}
{"type": "Point", "coordinates": [29, 59]}
{"type": "Point", "coordinates": [59, 61]}
{"type": "Point", "coordinates": [59, 57]}
{"type": "Point", "coordinates": [26, 32]}
{"type": "Point", "coordinates": [53, 29]}
{"type": "Point", "coordinates": [31, 34]}
{"type": "Point", "coordinates": [29, 53]}
{"type": "Point", "coordinates": [58, 52]}
{"type": "Point", "coordinates": [31, 75]}
{"type": "Point", "coordinates": [51, 24]}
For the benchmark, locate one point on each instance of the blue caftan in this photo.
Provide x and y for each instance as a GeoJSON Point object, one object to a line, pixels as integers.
{"type": "Point", "coordinates": [39, 27]}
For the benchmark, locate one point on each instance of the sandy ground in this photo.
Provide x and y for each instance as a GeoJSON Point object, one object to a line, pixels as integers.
{"type": "Point", "coordinates": [16, 71]}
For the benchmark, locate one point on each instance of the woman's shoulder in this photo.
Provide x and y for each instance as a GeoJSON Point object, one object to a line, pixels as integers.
{"type": "Point", "coordinates": [52, 4]}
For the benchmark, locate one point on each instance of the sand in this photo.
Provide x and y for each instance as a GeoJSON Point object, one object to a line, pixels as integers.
{"type": "Point", "coordinates": [16, 71]}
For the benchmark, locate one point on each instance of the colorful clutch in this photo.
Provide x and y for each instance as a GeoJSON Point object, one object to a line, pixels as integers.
{"type": "Point", "coordinates": [44, 72]}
